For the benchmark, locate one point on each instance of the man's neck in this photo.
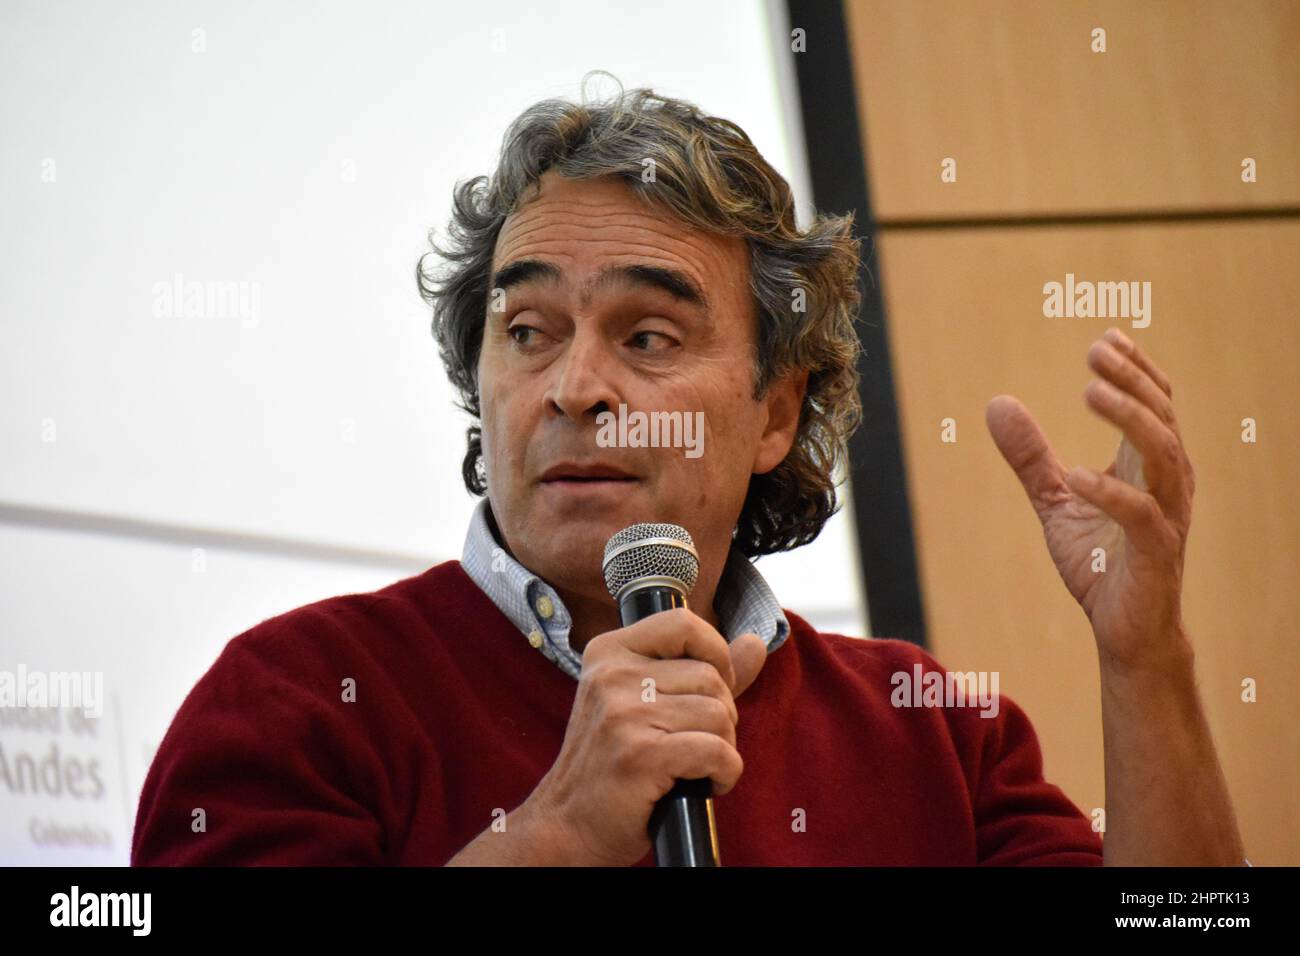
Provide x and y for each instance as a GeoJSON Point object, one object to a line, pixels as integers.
{"type": "Point", "coordinates": [593, 616]}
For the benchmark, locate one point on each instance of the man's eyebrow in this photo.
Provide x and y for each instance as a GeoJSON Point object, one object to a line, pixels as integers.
{"type": "Point", "coordinates": [524, 270]}
{"type": "Point", "coordinates": [673, 281]}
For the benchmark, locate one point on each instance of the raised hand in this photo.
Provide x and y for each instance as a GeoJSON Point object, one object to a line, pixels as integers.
{"type": "Point", "coordinates": [1138, 510]}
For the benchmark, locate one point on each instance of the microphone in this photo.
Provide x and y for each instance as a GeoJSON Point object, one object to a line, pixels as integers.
{"type": "Point", "coordinates": [651, 568]}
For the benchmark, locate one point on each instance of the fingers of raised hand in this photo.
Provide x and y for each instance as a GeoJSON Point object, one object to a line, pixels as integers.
{"type": "Point", "coordinates": [1112, 364]}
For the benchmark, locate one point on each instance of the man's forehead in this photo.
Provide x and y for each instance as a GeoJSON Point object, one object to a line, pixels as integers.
{"type": "Point", "coordinates": [592, 233]}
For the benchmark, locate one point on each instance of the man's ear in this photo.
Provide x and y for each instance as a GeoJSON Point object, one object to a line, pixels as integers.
{"type": "Point", "coordinates": [783, 403]}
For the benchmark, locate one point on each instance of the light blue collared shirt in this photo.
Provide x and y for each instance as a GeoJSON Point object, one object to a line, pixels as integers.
{"type": "Point", "coordinates": [745, 602]}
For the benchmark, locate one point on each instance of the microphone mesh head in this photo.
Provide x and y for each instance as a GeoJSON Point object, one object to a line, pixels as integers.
{"type": "Point", "coordinates": [650, 550]}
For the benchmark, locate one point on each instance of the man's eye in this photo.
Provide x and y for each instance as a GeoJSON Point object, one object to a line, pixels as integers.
{"type": "Point", "coordinates": [521, 334]}
{"type": "Point", "coordinates": [649, 341]}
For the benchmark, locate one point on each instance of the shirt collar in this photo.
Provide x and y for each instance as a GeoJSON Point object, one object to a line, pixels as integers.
{"type": "Point", "coordinates": [745, 602]}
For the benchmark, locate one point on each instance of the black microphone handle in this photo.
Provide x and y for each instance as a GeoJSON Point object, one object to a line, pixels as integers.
{"type": "Point", "coordinates": [682, 826]}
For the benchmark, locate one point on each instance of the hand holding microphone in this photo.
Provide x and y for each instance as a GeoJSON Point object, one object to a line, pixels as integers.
{"type": "Point", "coordinates": [624, 749]}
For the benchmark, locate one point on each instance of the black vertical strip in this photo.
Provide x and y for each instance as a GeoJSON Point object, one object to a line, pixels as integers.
{"type": "Point", "coordinates": [837, 164]}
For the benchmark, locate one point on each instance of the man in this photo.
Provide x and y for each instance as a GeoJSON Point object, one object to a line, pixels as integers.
{"type": "Point", "coordinates": [638, 256]}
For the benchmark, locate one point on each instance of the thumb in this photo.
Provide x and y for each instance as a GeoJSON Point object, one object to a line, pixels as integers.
{"type": "Point", "coordinates": [748, 655]}
{"type": "Point", "coordinates": [1026, 450]}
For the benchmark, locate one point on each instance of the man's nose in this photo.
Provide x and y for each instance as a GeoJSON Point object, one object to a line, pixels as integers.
{"type": "Point", "coordinates": [583, 384]}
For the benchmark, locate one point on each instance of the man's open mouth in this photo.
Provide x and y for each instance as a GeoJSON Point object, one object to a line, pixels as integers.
{"type": "Point", "coordinates": [585, 474]}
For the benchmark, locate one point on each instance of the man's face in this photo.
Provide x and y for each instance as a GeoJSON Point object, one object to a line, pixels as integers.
{"type": "Point", "coordinates": [599, 300]}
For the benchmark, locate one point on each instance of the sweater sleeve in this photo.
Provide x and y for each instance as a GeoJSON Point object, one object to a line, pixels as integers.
{"type": "Point", "coordinates": [265, 748]}
{"type": "Point", "coordinates": [1020, 818]}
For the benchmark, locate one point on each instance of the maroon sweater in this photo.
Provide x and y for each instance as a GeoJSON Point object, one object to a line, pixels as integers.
{"type": "Point", "coordinates": [455, 715]}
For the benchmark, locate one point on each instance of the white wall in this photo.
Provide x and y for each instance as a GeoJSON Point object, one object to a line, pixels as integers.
{"type": "Point", "coordinates": [307, 447]}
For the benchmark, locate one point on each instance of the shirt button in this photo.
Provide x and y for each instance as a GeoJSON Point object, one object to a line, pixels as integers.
{"type": "Point", "coordinates": [535, 638]}
{"type": "Point", "coordinates": [545, 607]}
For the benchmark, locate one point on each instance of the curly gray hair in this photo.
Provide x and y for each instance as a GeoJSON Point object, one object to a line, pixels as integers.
{"type": "Point", "coordinates": [709, 174]}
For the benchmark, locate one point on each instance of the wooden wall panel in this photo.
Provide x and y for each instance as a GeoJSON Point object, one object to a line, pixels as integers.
{"type": "Point", "coordinates": [1041, 125]}
{"type": "Point", "coordinates": [966, 323]}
